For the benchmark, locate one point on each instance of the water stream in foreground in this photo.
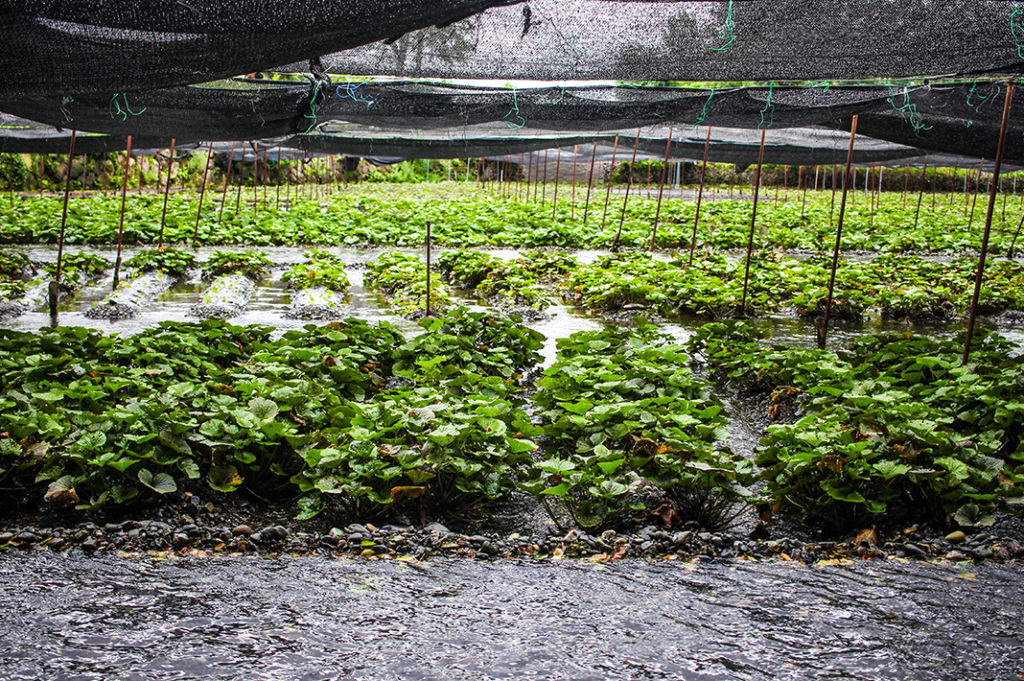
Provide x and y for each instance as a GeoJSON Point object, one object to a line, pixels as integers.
{"type": "Point", "coordinates": [76, 618]}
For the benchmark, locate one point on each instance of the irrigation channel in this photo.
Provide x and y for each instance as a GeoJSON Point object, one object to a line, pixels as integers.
{"type": "Point", "coordinates": [110, 616]}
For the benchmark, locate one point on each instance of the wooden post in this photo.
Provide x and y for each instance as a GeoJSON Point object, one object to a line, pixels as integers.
{"type": "Point", "coordinates": [120, 227]}
{"type": "Point", "coordinates": [202, 192]}
{"type": "Point", "coordinates": [227, 180]}
{"type": "Point", "coordinates": [167, 193]}
{"type": "Point", "coordinates": [753, 221]}
{"type": "Point", "coordinates": [823, 336]}
{"type": "Point", "coordinates": [611, 176]}
{"type": "Point", "coordinates": [629, 185]}
{"type": "Point", "coordinates": [54, 291]}
{"type": "Point", "coordinates": [988, 224]}
{"type": "Point", "coordinates": [661, 188]}
{"type": "Point", "coordinates": [590, 183]}
{"type": "Point", "coordinates": [700, 194]}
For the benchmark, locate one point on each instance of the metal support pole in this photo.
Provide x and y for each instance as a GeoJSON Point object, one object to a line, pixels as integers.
{"type": "Point", "coordinates": [227, 180]}
{"type": "Point", "coordinates": [661, 188]}
{"type": "Point", "coordinates": [822, 337]}
{"type": "Point", "coordinates": [590, 183]}
{"type": "Point", "coordinates": [277, 206]}
{"type": "Point", "coordinates": [611, 175]}
{"type": "Point", "coordinates": [753, 221]}
{"type": "Point", "coordinates": [572, 207]}
{"type": "Point", "coordinates": [54, 291]}
{"type": "Point", "coordinates": [167, 193]}
{"type": "Point", "coordinates": [920, 195]}
{"type": "Point", "coordinates": [629, 185]}
{"type": "Point", "coordinates": [202, 192]}
{"type": "Point", "coordinates": [700, 194]}
{"type": "Point", "coordinates": [974, 201]}
{"type": "Point", "coordinates": [558, 168]}
{"type": "Point", "coordinates": [988, 223]}
{"type": "Point", "coordinates": [120, 227]}
{"type": "Point", "coordinates": [255, 176]}
{"type": "Point", "coordinates": [428, 268]}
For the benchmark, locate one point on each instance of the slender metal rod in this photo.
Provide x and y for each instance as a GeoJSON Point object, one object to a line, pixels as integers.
{"type": "Point", "coordinates": [167, 193]}
{"type": "Point", "coordinates": [629, 185]}
{"type": "Point", "coordinates": [839, 235]}
{"type": "Point", "coordinates": [255, 176]}
{"type": "Point", "coordinates": [428, 268]}
{"type": "Point", "coordinates": [120, 226]}
{"type": "Point", "coordinates": [544, 181]}
{"type": "Point", "coordinates": [753, 222]}
{"type": "Point", "coordinates": [590, 183]}
{"type": "Point", "coordinates": [202, 193]}
{"type": "Point", "coordinates": [227, 181]}
{"type": "Point", "coordinates": [988, 223]}
{"type": "Point", "coordinates": [54, 292]}
{"type": "Point", "coordinates": [277, 205]}
{"type": "Point", "coordinates": [572, 204]}
{"type": "Point", "coordinates": [661, 188]}
{"type": "Point", "coordinates": [700, 194]}
{"type": "Point", "coordinates": [920, 195]}
{"type": "Point", "coordinates": [832, 205]}
{"type": "Point", "coordinates": [558, 168]}
{"type": "Point", "coordinates": [611, 176]}
{"type": "Point", "coordinates": [974, 201]}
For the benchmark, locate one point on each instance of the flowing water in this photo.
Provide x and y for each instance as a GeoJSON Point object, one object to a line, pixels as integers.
{"type": "Point", "coordinates": [77, 618]}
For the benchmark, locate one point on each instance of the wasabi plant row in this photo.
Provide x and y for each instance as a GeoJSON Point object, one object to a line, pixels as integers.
{"type": "Point", "coordinates": [489, 219]}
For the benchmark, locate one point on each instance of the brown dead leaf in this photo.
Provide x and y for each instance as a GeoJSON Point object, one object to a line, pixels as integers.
{"type": "Point", "coordinates": [867, 536]}
{"type": "Point", "coordinates": [668, 515]}
{"type": "Point", "coordinates": [407, 492]}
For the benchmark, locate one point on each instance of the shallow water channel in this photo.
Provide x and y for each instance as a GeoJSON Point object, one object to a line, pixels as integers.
{"type": "Point", "coordinates": [305, 618]}
{"type": "Point", "coordinates": [270, 303]}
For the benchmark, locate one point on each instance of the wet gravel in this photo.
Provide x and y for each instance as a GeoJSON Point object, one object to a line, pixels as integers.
{"type": "Point", "coordinates": [236, 527]}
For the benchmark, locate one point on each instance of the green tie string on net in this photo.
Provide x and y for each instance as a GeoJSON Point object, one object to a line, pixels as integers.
{"type": "Point", "coordinates": [769, 108]}
{"type": "Point", "coordinates": [916, 119]}
{"type": "Point", "coordinates": [512, 119]}
{"type": "Point", "coordinates": [312, 107]}
{"type": "Point", "coordinates": [727, 33]}
{"type": "Point", "coordinates": [1017, 29]}
{"type": "Point", "coordinates": [115, 109]}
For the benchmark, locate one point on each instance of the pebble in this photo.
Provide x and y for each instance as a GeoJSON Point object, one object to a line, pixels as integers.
{"type": "Point", "coordinates": [27, 538]}
{"type": "Point", "coordinates": [438, 529]}
{"type": "Point", "coordinates": [270, 534]}
{"type": "Point", "coordinates": [681, 539]}
{"type": "Point", "coordinates": [957, 537]}
{"type": "Point", "coordinates": [914, 551]}
{"type": "Point", "coordinates": [6, 537]}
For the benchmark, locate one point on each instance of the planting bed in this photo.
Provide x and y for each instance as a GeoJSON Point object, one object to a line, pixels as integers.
{"type": "Point", "coordinates": [642, 438]}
